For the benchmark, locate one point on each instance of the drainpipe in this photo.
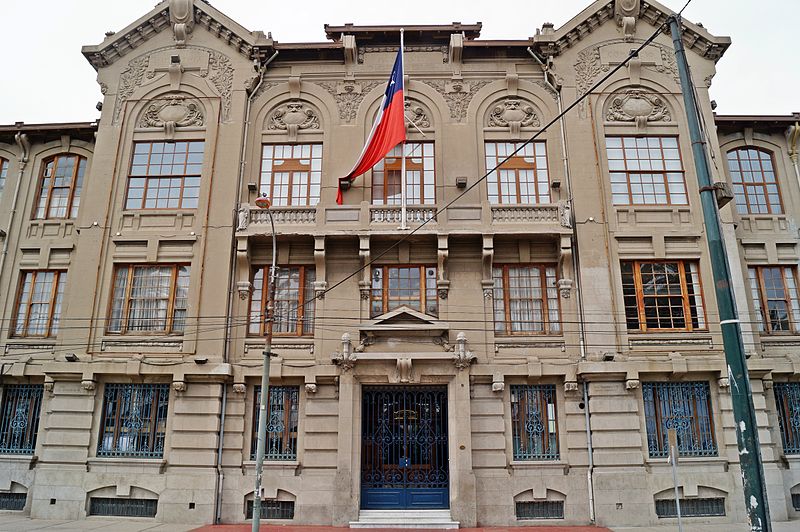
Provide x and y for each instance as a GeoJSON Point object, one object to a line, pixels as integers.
{"type": "Point", "coordinates": [556, 88]}
{"type": "Point", "coordinates": [25, 148]}
{"type": "Point", "coordinates": [260, 69]}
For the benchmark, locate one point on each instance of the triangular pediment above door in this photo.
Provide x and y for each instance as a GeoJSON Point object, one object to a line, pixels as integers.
{"type": "Point", "coordinates": [405, 319]}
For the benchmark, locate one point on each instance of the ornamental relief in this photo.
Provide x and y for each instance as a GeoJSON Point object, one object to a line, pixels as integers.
{"type": "Point", "coordinates": [349, 95]}
{"type": "Point", "coordinates": [514, 114]}
{"type": "Point", "coordinates": [417, 115]}
{"type": "Point", "coordinates": [639, 106]}
{"type": "Point", "coordinates": [292, 117]}
{"type": "Point", "coordinates": [458, 94]}
{"type": "Point", "coordinates": [171, 112]}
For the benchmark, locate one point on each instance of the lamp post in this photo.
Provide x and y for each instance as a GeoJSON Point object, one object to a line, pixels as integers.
{"type": "Point", "coordinates": [264, 203]}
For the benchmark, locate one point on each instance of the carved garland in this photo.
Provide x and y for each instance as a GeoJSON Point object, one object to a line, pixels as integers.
{"type": "Point", "coordinates": [457, 94]}
{"type": "Point", "coordinates": [637, 105]}
{"type": "Point", "coordinates": [171, 112]}
{"type": "Point", "coordinates": [349, 95]}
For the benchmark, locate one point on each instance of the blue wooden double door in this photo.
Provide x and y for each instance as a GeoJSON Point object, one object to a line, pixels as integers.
{"type": "Point", "coordinates": [404, 460]}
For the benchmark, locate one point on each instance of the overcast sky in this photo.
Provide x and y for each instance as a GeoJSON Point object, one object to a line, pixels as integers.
{"type": "Point", "coordinates": [46, 79]}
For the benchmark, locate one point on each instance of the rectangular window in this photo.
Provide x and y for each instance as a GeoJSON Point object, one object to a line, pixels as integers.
{"type": "Point", "coordinates": [526, 299]}
{"type": "Point", "coordinates": [540, 510]}
{"type": "Point", "coordinates": [134, 420]}
{"type": "Point", "coordinates": [754, 184]}
{"type": "Point", "coordinates": [533, 422]}
{"type": "Point", "coordinates": [685, 407]}
{"type": "Point", "coordinates": [20, 422]}
{"type": "Point", "coordinates": [165, 175]}
{"type": "Point", "coordinates": [41, 294]}
{"type": "Point", "coordinates": [3, 175]}
{"type": "Point", "coordinates": [663, 296]}
{"type": "Point", "coordinates": [787, 401]}
{"type": "Point", "coordinates": [291, 173]}
{"type": "Point", "coordinates": [294, 301]}
{"type": "Point", "coordinates": [61, 182]}
{"type": "Point", "coordinates": [149, 299]}
{"type": "Point", "coordinates": [704, 507]}
{"type": "Point", "coordinates": [397, 286]}
{"type": "Point", "coordinates": [272, 509]}
{"type": "Point", "coordinates": [420, 180]}
{"type": "Point", "coordinates": [646, 171]}
{"type": "Point", "coordinates": [281, 423]}
{"type": "Point", "coordinates": [123, 507]}
{"type": "Point", "coordinates": [775, 295]}
{"type": "Point", "coordinates": [523, 178]}
{"type": "Point", "coordinates": [14, 502]}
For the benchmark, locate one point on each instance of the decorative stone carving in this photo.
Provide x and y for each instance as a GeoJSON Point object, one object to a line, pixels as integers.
{"type": "Point", "coordinates": [498, 387]}
{"type": "Point", "coordinates": [220, 74]}
{"type": "Point", "coordinates": [632, 384]}
{"type": "Point", "coordinates": [129, 79]}
{"type": "Point", "coordinates": [349, 95]}
{"type": "Point", "coordinates": [48, 385]}
{"type": "Point", "coordinates": [417, 114]}
{"type": "Point", "coordinates": [565, 214]}
{"type": "Point", "coordinates": [88, 385]}
{"type": "Point", "coordinates": [564, 287]}
{"type": "Point", "coordinates": [725, 382]}
{"type": "Point", "coordinates": [458, 95]}
{"type": "Point", "coordinates": [639, 106]}
{"type": "Point", "coordinates": [242, 218]}
{"type": "Point", "coordinates": [239, 387]}
{"type": "Point", "coordinates": [292, 117]}
{"type": "Point", "coordinates": [462, 358]}
{"type": "Point", "coordinates": [514, 114]}
{"type": "Point", "coordinates": [181, 16]}
{"type": "Point", "coordinates": [179, 386]}
{"type": "Point", "coordinates": [625, 13]}
{"type": "Point", "coordinates": [570, 387]}
{"type": "Point", "coordinates": [172, 112]}
{"type": "Point", "coordinates": [346, 359]}
{"type": "Point", "coordinates": [245, 288]}
{"type": "Point", "coordinates": [320, 287]}
{"type": "Point", "coordinates": [311, 387]}
{"type": "Point", "coordinates": [404, 368]}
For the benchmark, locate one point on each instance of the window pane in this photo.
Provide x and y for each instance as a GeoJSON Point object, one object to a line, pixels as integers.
{"type": "Point", "coordinates": [165, 175]}
{"type": "Point", "coordinates": [19, 418]}
{"type": "Point", "coordinates": [281, 441]}
{"type": "Point", "coordinates": [754, 182]}
{"type": "Point", "coordinates": [294, 301]}
{"type": "Point", "coordinates": [662, 293]}
{"type": "Point", "coordinates": [38, 311]}
{"type": "Point", "coordinates": [685, 407]}
{"type": "Point", "coordinates": [150, 298]}
{"type": "Point", "coordinates": [787, 402]}
{"type": "Point", "coordinates": [522, 179]}
{"type": "Point", "coordinates": [134, 420]}
{"type": "Point", "coordinates": [291, 174]}
{"type": "Point", "coordinates": [534, 423]}
{"type": "Point", "coordinates": [60, 187]}
{"type": "Point", "coordinates": [410, 286]}
{"type": "Point", "coordinates": [645, 162]}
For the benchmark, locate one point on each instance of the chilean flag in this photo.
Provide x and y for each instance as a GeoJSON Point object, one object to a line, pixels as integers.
{"type": "Point", "coordinates": [389, 128]}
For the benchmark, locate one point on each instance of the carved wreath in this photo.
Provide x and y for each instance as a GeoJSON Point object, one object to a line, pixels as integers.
{"type": "Point", "coordinates": [293, 114]}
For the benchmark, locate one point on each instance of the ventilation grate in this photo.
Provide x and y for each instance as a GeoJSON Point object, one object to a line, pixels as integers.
{"type": "Point", "coordinates": [272, 509]}
{"type": "Point", "coordinates": [122, 507]}
{"type": "Point", "coordinates": [540, 510]}
{"type": "Point", "coordinates": [13, 501]}
{"type": "Point", "coordinates": [710, 507]}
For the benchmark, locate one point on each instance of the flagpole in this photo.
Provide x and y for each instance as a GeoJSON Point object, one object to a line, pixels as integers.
{"type": "Point", "coordinates": [403, 225]}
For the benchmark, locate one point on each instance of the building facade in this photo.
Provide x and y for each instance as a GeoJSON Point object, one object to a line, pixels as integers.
{"type": "Point", "coordinates": [518, 359]}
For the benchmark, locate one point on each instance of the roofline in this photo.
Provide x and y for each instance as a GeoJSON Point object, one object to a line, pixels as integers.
{"type": "Point", "coordinates": [471, 31]}
{"type": "Point", "coordinates": [47, 127]}
{"type": "Point", "coordinates": [781, 119]}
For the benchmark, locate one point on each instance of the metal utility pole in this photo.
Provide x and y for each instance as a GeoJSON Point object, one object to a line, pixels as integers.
{"type": "Point", "coordinates": [741, 396]}
{"type": "Point", "coordinates": [264, 203]}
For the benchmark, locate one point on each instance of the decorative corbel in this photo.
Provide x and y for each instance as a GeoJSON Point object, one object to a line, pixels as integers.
{"type": "Point", "coordinates": [179, 386]}
{"type": "Point", "coordinates": [766, 381]}
{"type": "Point", "coordinates": [311, 383]}
{"type": "Point", "coordinates": [88, 385]}
{"type": "Point", "coordinates": [346, 359]}
{"type": "Point", "coordinates": [564, 287]}
{"type": "Point", "coordinates": [498, 382]}
{"type": "Point", "coordinates": [365, 283]}
{"type": "Point", "coordinates": [570, 387]}
{"type": "Point", "coordinates": [679, 364]}
{"type": "Point", "coordinates": [487, 259]}
{"type": "Point", "coordinates": [442, 282]}
{"type": "Point", "coordinates": [625, 13]}
{"type": "Point", "coordinates": [245, 288]}
{"type": "Point", "coordinates": [565, 214]}
{"type": "Point", "coordinates": [320, 284]}
{"type": "Point", "coordinates": [455, 53]}
{"type": "Point", "coordinates": [48, 384]}
{"type": "Point", "coordinates": [404, 367]}
{"type": "Point", "coordinates": [243, 217]}
{"type": "Point", "coordinates": [239, 387]}
{"type": "Point", "coordinates": [462, 358]}
{"type": "Point", "coordinates": [181, 16]}
{"type": "Point", "coordinates": [350, 55]}
{"type": "Point", "coordinates": [512, 84]}
{"type": "Point", "coordinates": [364, 343]}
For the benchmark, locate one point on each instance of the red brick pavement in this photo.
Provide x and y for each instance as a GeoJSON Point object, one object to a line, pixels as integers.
{"type": "Point", "coordinates": [282, 528]}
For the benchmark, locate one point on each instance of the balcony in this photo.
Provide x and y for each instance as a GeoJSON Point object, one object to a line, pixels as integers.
{"type": "Point", "coordinates": [392, 214]}
{"type": "Point", "coordinates": [285, 215]}
{"type": "Point", "coordinates": [518, 214]}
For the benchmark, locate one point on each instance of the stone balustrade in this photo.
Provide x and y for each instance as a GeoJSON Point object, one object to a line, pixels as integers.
{"type": "Point", "coordinates": [393, 214]}
{"type": "Point", "coordinates": [285, 215]}
{"type": "Point", "coordinates": [525, 214]}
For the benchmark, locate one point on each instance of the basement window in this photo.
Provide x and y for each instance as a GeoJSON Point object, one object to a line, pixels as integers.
{"type": "Point", "coordinates": [703, 507]}
{"type": "Point", "coordinates": [13, 501]}
{"type": "Point", "coordinates": [796, 501]}
{"type": "Point", "coordinates": [540, 510]}
{"type": "Point", "coordinates": [272, 509]}
{"type": "Point", "coordinates": [123, 507]}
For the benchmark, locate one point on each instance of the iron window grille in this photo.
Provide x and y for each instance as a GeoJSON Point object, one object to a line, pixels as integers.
{"type": "Point", "coordinates": [775, 295]}
{"type": "Point", "coordinates": [60, 184]}
{"type": "Point", "coordinates": [291, 173]}
{"type": "Point", "coordinates": [796, 501]}
{"type": "Point", "coordinates": [134, 420]}
{"type": "Point", "coordinates": [39, 300]}
{"type": "Point", "coordinates": [14, 502]}
{"type": "Point", "coordinates": [165, 175]}
{"type": "Point", "coordinates": [293, 313]}
{"type": "Point", "coordinates": [272, 509]}
{"type": "Point", "coordinates": [397, 286]}
{"type": "Point", "coordinates": [149, 299]}
{"type": "Point", "coordinates": [533, 422]}
{"type": "Point", "coordinates": [420, 176]}
{"type": "Point", "coordinates": [281, 441]}
{"type": "Point", "coordinates": [663, 296]}
{"type": "Point", "coordinates": [685, 407]}
{"type": "Point", "coordinates": [19, 425]}
{"type": "Point", "coordinates": [526, 299]}
{"type": "Point", "coordinates": [540, 510]}
{"type": "Point", "coordinates": [755, 186]}
{"type": "Point", "coordinates": [646, 171]}
{"type": "Point", "coordinates": [3, 174]}
{"type": "Point", "coordinates": [703, 507]}
{"type": "Point", "coordinates": [522, 179]}
{"type": "Point", "coordinates": [787, 400]}
{"type": "Point", "coordinates": [123, 507]}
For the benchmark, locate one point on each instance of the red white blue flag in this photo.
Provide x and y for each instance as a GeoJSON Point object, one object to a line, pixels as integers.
{"type": "Point", "coordinates": [389, 128]}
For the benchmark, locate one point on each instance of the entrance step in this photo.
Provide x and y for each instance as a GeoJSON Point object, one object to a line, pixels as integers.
{"type": "Point", "coordinates": [429, 519]}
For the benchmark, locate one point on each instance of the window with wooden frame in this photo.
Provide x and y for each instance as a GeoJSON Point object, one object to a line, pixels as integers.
{"type": "Point", "coordinates": [646, 171]}
{"type": "Point", "coordinates": [526, 299]}
{"type": "Point", "coordinates": [775, 296]}
{"type": "Point", "coordinates": [134, 420]}
{"type": "Point", "coordinates": [685, 407]}
{"type": "Point", "coordinates": [420, 177]}
{"type": "Point", "coordinates": [3, 175]}
{"type": "Point", "coordinates": [397, 286]}
{"type": "Point", "coordinates": [787, 402]}
{"type": "Point", "coordinates": [19, 424]}
{"type": "Point", "coordinates": [534, 425]}
{"type": "Point", "coordinates": [39, 300]}
{"type": "Point", "coordinates": [755, 186]}
{"type": "Point", "coordinates": [294, 301]}
{"type": "Point", "coordinates": [523, 178]}
{"type": "Point", "coordinates": [663, 295]}
{"type": "Point", "coordinates": [281, 441]}
{"type": "Point", "coordinates": [149, 298]}
{"type": "Point", "coordinates": [60, 184]}
{"type": "Point", "coordinates": [291, 173]}
{"type": "Point", "coordinates": [165, 175]}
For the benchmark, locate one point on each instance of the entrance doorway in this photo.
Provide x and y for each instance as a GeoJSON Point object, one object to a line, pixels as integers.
{"type": "Point", "coordinates": [404, 462]}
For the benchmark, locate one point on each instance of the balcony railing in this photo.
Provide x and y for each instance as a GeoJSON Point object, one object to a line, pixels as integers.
{"type": "Point", "coordinates": [285, 215]}
{"type": "Point", "coordinates": [393, 214]}
{"type": "Point", "coordinates": [525, 214]}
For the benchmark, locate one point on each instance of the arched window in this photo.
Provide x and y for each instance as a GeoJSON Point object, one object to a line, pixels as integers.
{"type": "Point", "coordinates": [754, 183]}
{"type": "Point", "coordinates": [3, 175]}
{"type": "Point", "coordinates": [61, 180]}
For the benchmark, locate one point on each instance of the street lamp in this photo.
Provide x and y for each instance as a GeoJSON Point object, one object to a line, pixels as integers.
{"type": "Point", "coordinates": [264, 203]}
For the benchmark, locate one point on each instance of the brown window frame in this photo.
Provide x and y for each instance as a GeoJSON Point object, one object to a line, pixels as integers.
{"type": "Point", "coordinates": [75, 188]}
{"type": "Point", "coordinates": [257, 316]}
{"type": "Point", "coordinates": [292, 166]}
{"type": "Point", "coordinates": [762, 303]}
{"type": "Point", "coordinates": [60, 277]}
{"type": "Point", "coordinates": [286, 440]}
{"type": "Point", "coordinates": [392, 169]}
{"type": "Point", "coordinates": [746, 208]}
{"type": "Point", "coordinates": [386, 298]}
{"type": "Point", "coordinates": [664, 172]}
{"type": "Point", "coordinates": [150, 179]}
{"type": "Point", "coordinates": [548, 327]}
{"type": "Point", "coordinates": [517, 163]}
{"type": "Point", "coordinates": [124, 326]}
{"type": "Point", "coordinates": [686, 297]}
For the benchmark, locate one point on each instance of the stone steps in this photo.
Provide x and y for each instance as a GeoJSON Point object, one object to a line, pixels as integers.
{"type": "Point", "coordinates": [428, 519]}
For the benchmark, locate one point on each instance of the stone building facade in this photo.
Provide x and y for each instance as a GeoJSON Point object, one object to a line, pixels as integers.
{"type": "Point", "coordinates": [517, 360]}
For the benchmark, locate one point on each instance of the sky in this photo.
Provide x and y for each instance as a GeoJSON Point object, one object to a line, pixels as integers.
{"type": "Point", "coordinates": [46, 79]}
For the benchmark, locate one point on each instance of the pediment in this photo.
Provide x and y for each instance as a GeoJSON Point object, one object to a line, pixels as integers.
{"type": "Point", "coordinates": [405, 319]}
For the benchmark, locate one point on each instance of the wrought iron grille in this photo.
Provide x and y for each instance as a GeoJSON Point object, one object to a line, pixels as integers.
{"type": "Point", "coordinates": [20, 421]}
{"type": "Point", "coordinates": [13, 501]}
{"type": "Point", "coordinates": [685, 407]}
{"type": "Point", "coordinates": [540, 510]}
{"type": "Point", "coordinates": [281, 423]}
{"type": "Point", "coordinates": [796, 501]}
{"type": "Point", "coordinates": [533, 422]}
{"type": "Point", "coordinates": [272, 509]}
{"type": "Point", "coordinates": [708, 507]}
{"type": "Point", "coordinates": [123, 507]}
{"type": "Point", "coordinates": [787, 399]}
{"type": "Point", "coordinates": [134, 420]}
